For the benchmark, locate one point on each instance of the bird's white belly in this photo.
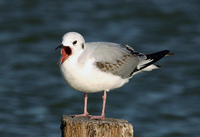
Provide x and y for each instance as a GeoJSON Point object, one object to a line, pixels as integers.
{"type": "Point", "coordinates": [88, 78]}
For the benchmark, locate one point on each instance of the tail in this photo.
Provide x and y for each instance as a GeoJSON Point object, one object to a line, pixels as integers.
{"type": "Point", "coordinates": [148, 63]}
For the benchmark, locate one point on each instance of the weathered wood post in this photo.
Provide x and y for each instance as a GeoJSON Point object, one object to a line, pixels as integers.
{"type": "Point", "coordinates": [84, 127]}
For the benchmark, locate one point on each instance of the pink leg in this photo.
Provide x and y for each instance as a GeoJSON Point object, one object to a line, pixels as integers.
{"type": "Point", "coordinates": [85, 114]}
{"type": "Point", "coordinates": [103, 108]}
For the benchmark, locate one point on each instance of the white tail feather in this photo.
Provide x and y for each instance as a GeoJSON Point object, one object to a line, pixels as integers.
{"type": "Point", "coordinates": [150, 68]}
{"type": "Point", "coordinates": [143, 62]}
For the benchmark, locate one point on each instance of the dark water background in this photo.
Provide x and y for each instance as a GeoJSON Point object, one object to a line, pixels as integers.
{"type": "Point", "coordinates": [161, 103]}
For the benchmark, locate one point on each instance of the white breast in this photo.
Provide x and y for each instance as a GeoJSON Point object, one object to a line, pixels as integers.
{"type": "Point", "coordinates": [86, 77]}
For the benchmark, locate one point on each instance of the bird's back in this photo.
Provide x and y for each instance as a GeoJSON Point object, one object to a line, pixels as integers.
{"type": "Point", "coordinates": [112, 58]}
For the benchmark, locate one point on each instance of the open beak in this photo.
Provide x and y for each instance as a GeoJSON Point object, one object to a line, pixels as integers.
{"type": "Point", "coordinates": [66, 52]}
{"type": "Point", "coordinates": [60, 46]}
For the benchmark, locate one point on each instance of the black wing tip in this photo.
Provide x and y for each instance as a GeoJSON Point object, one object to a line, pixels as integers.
{"type": "Point", "coordinates": [158, 66]}
{"type": "Point", "coordinates": [158, 55]}
{"type": "Point", "coordinates": [164, 52]}
{"type": "Point", "coordinates": [155, 57]}
{"type": "Point", "coordinates": [167, 53]}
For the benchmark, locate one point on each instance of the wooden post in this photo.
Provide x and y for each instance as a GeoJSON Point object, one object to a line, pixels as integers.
{"type": "Point", "coordinates": [84, 127]}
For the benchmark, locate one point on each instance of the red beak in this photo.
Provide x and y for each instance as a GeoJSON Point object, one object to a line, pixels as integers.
{"type": "Point", "coordinates": [66, 52]}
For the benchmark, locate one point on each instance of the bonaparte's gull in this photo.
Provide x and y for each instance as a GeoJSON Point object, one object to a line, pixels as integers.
{"type": "Point", "coordinates": [101, 66]}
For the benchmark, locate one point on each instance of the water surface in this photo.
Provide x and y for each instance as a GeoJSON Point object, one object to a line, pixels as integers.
{"type": "Point", "coordinates": [160, 103]}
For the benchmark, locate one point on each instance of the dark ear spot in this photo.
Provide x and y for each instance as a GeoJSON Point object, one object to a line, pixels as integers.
{"type": "Point", "coordinates": [74, 42]}
{"type": "Point", "coordinates": [83, 46]}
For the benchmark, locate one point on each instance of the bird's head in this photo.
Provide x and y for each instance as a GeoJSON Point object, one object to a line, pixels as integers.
{"type": "Point", "coordinates": [72, 44]}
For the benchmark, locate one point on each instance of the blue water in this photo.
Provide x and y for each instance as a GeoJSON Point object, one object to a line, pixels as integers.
{"type": "Point", "coordinates": [161, 103]}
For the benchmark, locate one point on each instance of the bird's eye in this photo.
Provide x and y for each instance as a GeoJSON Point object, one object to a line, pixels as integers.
{"type": "Point", "coordinates": [74, 42]}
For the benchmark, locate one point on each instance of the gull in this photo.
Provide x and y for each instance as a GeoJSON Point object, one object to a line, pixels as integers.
{"type": "Point", "coordinates": [101, 66]}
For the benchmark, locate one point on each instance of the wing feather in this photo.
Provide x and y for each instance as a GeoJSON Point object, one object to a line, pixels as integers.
{"type": "Point", "coordinates": [114, 58]}
{"type": "Point", "coordinates": [120, 60]}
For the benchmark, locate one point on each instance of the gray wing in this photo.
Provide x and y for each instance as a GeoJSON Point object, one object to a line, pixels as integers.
{"type": "Point", "coordinates": [120, 60]}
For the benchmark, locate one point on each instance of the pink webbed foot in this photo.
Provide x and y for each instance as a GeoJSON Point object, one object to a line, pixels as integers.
{"type": "Point", "coordinates": [80, 115]}
{"type": "Point", "coordinates": [97, 117]}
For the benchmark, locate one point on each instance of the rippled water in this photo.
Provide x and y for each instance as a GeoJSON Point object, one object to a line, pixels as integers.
{"type": "Point", "coordinates": [160, 103]}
